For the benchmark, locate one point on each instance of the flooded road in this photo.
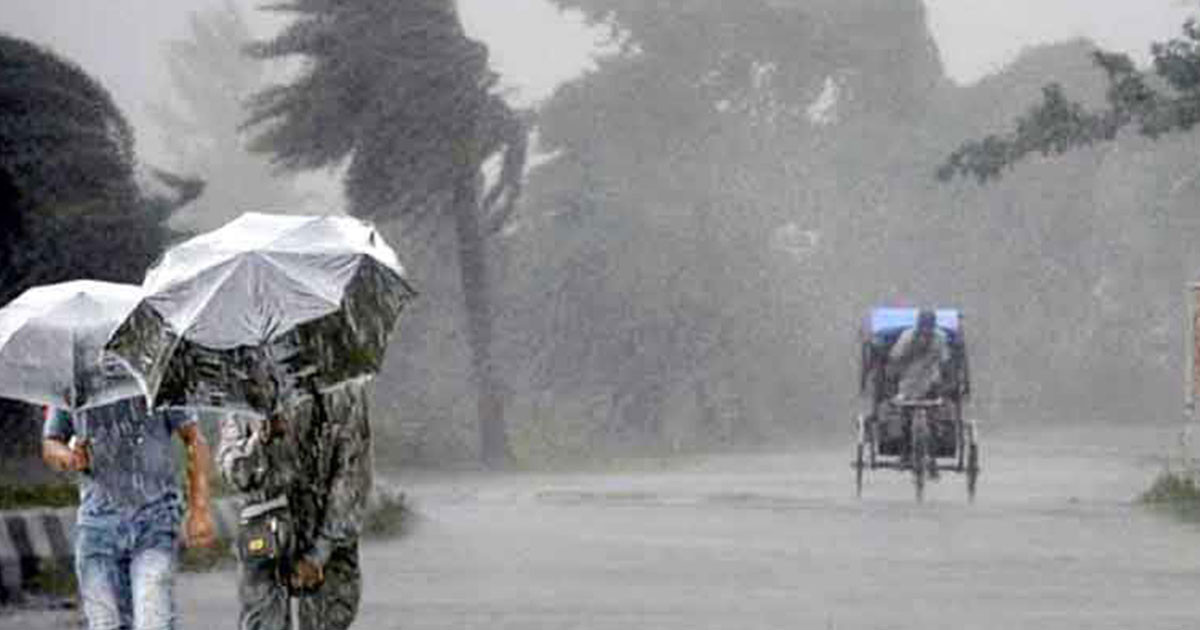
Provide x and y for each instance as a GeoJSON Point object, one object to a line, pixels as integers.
{"type": "Point", "coordinates": [779, 541]}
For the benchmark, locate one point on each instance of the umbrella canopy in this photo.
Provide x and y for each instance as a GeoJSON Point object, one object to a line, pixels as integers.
{"type": "Point", "coordinates": [51, 338]}
{"type": "Point", "coordinates": [319, 291]}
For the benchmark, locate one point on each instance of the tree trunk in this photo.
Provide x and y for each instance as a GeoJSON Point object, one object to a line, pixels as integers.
{"type": "Point", "coordinates": [472, 254]}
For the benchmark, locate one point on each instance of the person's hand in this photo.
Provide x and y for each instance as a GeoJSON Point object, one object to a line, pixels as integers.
{"type": "Point", "coordinates": [260, 430]}
{"type": "Point", "coordinates": [198, 530]}
{"type": "Point", "coordinates": [264, 429]}
{"type": "Point", "coordinates": [78, 456]}
{"type": "Point", "coordinates": [307, 575]}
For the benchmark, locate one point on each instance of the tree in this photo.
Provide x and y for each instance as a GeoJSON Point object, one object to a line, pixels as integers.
{"type": "Point", "coordinates": [73, 203]}
{"type": "Point", "coordinates": [399, 90]}
{"type": "Point", "coordinates": [202, 130]}
{"type": "Point", "coordinates": [657, 173]}
{"type": "Point", "coordinates": [681, 158]}
{"type": "Point", "coordinates": [1129, 242]}
{"type": "Point", "coordinates": [1166, 100]}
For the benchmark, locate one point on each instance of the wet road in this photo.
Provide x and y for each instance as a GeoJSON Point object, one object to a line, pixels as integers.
{"type": "Point", "coordinates": [779, 541]}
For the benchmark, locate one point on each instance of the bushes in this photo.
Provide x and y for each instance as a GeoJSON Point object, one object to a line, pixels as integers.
{"type": "Point", "coordinates": [388, 514]}
{"type": "Point", "coordinates": [51, 495]}
{"type": "Point", "coordinates": [1176, 492]}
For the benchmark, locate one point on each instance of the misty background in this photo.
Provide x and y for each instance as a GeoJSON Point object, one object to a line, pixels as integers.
{"type": "Point", "coordinates": [717, 194]}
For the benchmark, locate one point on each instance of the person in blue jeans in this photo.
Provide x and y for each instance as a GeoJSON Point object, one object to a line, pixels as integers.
{"type": "Point", "coordinates": [130, 508]}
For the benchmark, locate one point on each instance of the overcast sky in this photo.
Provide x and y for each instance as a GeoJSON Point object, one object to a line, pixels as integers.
{"type": "Point", "coordinates": [122, 41]}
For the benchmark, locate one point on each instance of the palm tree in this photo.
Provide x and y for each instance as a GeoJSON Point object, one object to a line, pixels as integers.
{"type": "Point", "coordinates": [398, 88]}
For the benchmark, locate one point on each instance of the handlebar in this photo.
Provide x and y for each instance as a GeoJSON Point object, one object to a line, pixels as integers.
{"type": "Point", "coordinates": [928, 403]}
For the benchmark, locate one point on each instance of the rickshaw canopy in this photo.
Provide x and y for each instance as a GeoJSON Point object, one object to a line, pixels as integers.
{"type": "Point", "coordinates": [883, 325]}
{"type": "Point", "coordinates": [889, 318]}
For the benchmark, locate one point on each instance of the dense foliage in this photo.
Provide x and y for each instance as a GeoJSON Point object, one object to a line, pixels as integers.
{"type": "Point", "coordinates": [1153, 103]}
{"type": "Point", "coordinates": [667, 281]}
{"type": "Point", "coordinates": [71, 206]}
{"type": "Point", "coordinates": [692, 266]}
{"type": "Point", "coordinates": [399, 90]}
{"type": "Point", "coordinates": [74, 205]}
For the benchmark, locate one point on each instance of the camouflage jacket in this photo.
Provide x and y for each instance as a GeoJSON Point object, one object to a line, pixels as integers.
{"type": "Point", "coordinates": [322, 463]}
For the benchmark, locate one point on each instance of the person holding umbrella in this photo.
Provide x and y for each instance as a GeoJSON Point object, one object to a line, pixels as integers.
{"type": "Point", "coordinates": [98, 426]}
{"type": "Point", "coordinates": [130, 508]}
{"type": "Point", "coordinates": [283, 321]}
{"type": "Point", "coordinates": [305, 469]}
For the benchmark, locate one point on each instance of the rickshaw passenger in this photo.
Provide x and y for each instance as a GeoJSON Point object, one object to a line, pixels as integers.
{"type": "Point", "coordinates": [917, 358]}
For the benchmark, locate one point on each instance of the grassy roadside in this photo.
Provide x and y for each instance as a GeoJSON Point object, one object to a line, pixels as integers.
{"type": "Point", "coordinates": [389, 514]}
{"type": "Point", "coordinates": [1176, 493]}
{"type": "Point", "coordinates": [48, 495]}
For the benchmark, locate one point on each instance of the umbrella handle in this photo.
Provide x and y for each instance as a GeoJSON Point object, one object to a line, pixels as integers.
{"type": "Point", "coordinates": [85, 444]}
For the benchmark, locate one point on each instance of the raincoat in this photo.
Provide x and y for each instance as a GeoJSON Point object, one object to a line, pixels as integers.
{"type": "Point", "coordinates": [918, 363]}
{"type": "Point", "coordinates": [321, 464]}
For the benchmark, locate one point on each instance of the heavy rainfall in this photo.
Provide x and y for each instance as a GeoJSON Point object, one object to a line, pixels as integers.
{"type": "Point", "coordinates": [660, 265]}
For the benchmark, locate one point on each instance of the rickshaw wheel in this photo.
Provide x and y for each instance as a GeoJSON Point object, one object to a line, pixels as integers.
{"type": "Point", "coordinates": [874, 437]}
{"type": "Point", "coordinates": [859, 464]}
{"type": "Point", "coordinates": [972, 469]}
{"type": "Point", "coordinates": [920, 451]}
{"type": "Point", "coordinates": [961, 447]}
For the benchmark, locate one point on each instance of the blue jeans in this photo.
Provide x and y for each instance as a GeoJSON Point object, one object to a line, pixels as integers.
{"type": "Point", "coordinates": [126, 574]}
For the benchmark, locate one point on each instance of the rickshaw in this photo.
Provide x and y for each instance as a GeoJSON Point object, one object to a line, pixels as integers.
{"type": "Point", "coordinates": [922, 437]}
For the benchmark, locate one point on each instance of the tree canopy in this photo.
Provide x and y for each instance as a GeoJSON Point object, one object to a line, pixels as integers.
{"type": "Point", "coordinates": [399, 90]}
{"type": "Point", "coordinates": [652, 264]}
{"type": "Point", "coordinates": [72, 203]}
{"type": "Point", "coordinates": [65, 139]}
{"type": "Point", "coordinates": [1153, 103]}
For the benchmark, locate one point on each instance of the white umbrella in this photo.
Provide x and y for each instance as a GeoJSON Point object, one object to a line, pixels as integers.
{"type": "Point", "coordinates": [327, 287]}
{"type": "Point", "coordinates": [51, 339]}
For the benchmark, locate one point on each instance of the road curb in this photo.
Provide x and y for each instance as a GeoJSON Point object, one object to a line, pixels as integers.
{"type": "Point", "coordinates": [35, 541]}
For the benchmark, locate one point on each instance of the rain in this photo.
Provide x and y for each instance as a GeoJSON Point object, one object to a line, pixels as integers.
{"type": "Point", "coordinates": [659, 255]}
